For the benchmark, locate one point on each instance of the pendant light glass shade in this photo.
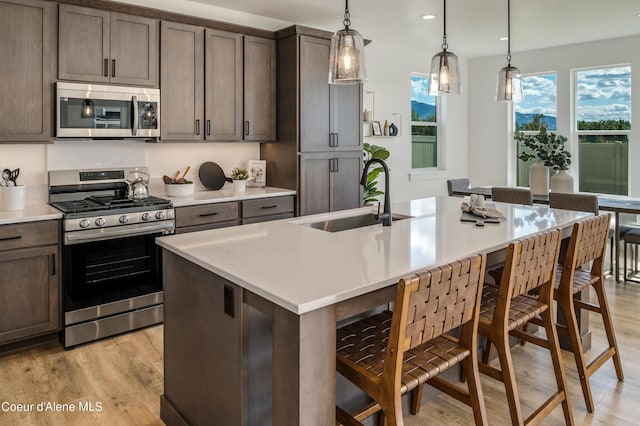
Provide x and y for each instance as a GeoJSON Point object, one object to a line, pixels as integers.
{"type": "Point", "coordinates": [509, 87]}
{"type": "Point", "coordinates": [346, 55]}
{"type": "Point", "coordinates": [444, 76]}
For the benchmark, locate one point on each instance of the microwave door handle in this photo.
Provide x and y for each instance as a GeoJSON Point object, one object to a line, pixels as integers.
{"type": "Point", "coordinates": [134, 129]}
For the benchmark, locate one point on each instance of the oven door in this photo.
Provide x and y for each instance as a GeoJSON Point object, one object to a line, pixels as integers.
{"type": "Point", "coordinates": [101, 272]}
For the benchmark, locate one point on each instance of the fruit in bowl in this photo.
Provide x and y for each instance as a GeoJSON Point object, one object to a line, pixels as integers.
{"type": "Point", "coordinates": [178, 186]}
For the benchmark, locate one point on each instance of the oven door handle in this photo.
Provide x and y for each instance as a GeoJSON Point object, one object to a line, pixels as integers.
{"type": "Point", "coordinates": [124, 231]}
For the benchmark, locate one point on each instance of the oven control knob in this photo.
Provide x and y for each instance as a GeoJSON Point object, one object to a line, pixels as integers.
{"type": "Point", "coordinates": [84, 223]}
{"type": "Point", "coordinates": [100, 221]}
{"type": "Point", "coordinates": [160, 215]}
{"type": "Point", "coordinates": [124, 219]}
{"type": "Point", "coordinates": [146, 216]}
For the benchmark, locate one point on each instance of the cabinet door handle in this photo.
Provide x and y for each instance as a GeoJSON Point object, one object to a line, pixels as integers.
{"type": "Point", "coordinates": [330, 139]}
{"type": "Point", "coordinates": [53, 264]}
{"type": "Point", "coordinates": [336, 140]}
{"type": "Point", "coordinates": [208, 127]}
{"type": "Point", "coordinates": [336, 168]}
{"type": "Point", "coordinates": [113, 68]}
{"type": "Point", "coordinates": [17, 237]}
{"type": "Point", "coordinates": [105, 67]}
{"type": "Point", "coordinates": [197, 127]}
{"type": "Point", "coordinates": [246, 127]}
{"type": "Point", "coordinates": [270, 207]}
{"type": "Point", "coordinates": [208, 214]}
{"type": "Point", "coordinates": [332, 165]}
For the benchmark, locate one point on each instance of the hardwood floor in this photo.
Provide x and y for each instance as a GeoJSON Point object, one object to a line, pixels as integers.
{"type": "Point", "coordinates": [124, 374]}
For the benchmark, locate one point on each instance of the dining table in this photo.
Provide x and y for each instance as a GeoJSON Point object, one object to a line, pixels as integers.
{"type": "Point", "coordinates": [616, 204]}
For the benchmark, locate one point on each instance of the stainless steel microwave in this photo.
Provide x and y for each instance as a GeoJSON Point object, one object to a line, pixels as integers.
{"type": "Point", "coordinates": [100, 111]}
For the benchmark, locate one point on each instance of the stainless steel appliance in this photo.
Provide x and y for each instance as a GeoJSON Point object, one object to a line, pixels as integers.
{"type": "Point", "coordinates": [112, 268]}
{"type": "Point", "coordinates": [100, 111]}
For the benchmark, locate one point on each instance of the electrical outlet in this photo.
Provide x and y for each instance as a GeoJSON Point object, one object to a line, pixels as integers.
{"type": "Point", "coordinates": [229, 301]}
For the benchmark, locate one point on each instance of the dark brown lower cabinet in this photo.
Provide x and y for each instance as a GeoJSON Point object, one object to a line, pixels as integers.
{"type": "Point", "coordinates": [29, 280]}
{"type": "Point", "coordinates": [329, 181]}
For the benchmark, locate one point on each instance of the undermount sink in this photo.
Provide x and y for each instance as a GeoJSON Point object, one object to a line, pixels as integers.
{"type": "Point", "coordinates": [351, 222]}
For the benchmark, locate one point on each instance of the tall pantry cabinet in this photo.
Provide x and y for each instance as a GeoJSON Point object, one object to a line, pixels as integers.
{"type": "Point", "coordinates": [318, 151]}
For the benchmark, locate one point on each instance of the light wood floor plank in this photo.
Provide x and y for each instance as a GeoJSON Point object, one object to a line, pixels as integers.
{"type": "Point", "coordinates": [125, 374]}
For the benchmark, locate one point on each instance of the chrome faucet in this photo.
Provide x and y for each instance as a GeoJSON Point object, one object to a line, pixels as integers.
{"type": "Point", "coordinates": [386, 214]}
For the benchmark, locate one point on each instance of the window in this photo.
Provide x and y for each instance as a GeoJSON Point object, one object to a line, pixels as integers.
{"type": "Point", "coordinates": [539, 108]}
{"type": "Point", "coordinates": [603, 123]}
{"type": "Point", "coordinates": [424, 124]}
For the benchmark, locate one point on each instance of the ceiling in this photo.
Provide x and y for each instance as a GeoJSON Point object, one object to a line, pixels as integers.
{"type": "Point", "coordinates": [473, 26]}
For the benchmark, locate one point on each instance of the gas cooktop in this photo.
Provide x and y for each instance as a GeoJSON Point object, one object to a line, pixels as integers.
{"type": "Point", "coordinates": [96, 203]}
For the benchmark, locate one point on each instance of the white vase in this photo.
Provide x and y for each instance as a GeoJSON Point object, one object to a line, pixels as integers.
{"type": "Point", "coordinates": [538, 178]}
{"type": "Point", "coordinates": [239, 185]}
{"type": "Point", "coordinates": [562, 182]}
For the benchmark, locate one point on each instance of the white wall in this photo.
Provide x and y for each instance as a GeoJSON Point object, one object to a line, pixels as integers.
{"type": "Point", "coordinates": [491, 144]}
{"type": "Point", "coordinates": [389, 70]}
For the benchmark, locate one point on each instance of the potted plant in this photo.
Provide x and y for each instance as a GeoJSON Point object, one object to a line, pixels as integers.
{"type": "Point", "coordinates": [548, 149]}
{"type": "Point", "coordinates": [239, 177]}
{"type": "Point", "coordinates": [371, 192]}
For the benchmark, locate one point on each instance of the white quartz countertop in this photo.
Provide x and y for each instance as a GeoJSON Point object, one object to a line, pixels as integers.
{"type": "Point", "coordinates": [31, 213]}
{"type": "Point", "coordinates": [302, 269]}
{"type": "Point", "coordinates": [224, 194]}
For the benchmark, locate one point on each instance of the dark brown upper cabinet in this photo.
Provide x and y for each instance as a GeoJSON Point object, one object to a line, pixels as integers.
{"type": "Point", "coordinates": [259, 89]}
{"type": "Point", "coordinates": [327, 112]}
{"type": "Point", "coordinates": [216, 85]}
{"type": "Point", "coordinates": [27, 49]}
{"type": "Point", "coordinates": [107, 47]}
{"type": "Point", "coordinates": [223, 86]}
{"type": "Point", "coordinates": [182, 82]}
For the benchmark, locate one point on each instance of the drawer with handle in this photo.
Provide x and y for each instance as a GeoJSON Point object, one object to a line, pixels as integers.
{"type": "Point", "coordinates": [29, 234]}
{"type": "Point", "coordinates": [267, 206]}
{"type": "Point", "coordinates": [206, 213]}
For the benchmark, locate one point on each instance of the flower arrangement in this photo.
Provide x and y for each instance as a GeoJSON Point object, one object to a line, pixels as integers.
{"type": "Point", "coordinates": [547, 147]}
{"type": "Point", "coordinates": [239, 173]}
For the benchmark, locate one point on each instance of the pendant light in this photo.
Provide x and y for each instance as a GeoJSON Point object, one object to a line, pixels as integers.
{"type": "Point", "coordinates": [444, 78]}
{"type": "Point", "coordinates": [509, 88]}
{"type": "Point", "coordinates": [346, 55]}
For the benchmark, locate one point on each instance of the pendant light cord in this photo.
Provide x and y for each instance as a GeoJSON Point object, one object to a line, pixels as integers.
{"type": "Point", "coordinates": [347, 16]}
{"type": "Point", "coordinates": [509, 32]}
{"type": "Point", "coordinates": [444, 30]}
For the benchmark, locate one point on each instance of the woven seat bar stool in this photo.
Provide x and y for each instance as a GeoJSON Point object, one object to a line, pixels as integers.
{"type": "Point", "coordinates": [587, 244]}
{"type": "Point", "coordinates": [461, 183]}
{"type": "Point", "coordinates": [390, 354]}
{"type": "Point", "coordinates": [512, 195]}
{"type": "Point", "coordinates": [530, 265]}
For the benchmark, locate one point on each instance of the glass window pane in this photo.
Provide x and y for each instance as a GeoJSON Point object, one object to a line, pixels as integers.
{"type": "Point", "coordinates": [424, 147]}
{"type": "Point", "coordinates": [604, 99]}
{"type": "Point", "coordinates": [603, 163]}
{"type": "Point", "coordinates": [424, 138]}
{"type": "Point", "coordinates": [539, 104]}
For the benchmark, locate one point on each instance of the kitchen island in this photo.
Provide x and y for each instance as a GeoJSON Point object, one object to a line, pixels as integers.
{"type": "Point", "coordinates": [251, 311]}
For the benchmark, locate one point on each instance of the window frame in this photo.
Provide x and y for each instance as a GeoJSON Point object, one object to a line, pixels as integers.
{"type": "Point", "coordinates": [436, 124]}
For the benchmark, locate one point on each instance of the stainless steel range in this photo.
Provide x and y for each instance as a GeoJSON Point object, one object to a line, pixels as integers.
{"type": "Point", "coordinates": [112, 268]}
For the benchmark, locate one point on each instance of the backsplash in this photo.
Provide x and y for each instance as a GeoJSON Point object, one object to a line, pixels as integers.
{"type": "Point", "coordinates": [36, 160]}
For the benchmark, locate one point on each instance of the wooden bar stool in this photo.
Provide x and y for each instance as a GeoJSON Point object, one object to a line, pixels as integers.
{"type": "Point", "coordinates": [587, 244]}
{"type": "Point", "coordinates": [530, 265]}
{"type": "Point", "coordinates": [390, 354]}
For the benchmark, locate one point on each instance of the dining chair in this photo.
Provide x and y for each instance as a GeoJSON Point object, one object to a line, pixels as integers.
{"type": "Point", "coordinates": [512, 195]}
{"type": "Point", "coordinates": [392, 353]}
{"type": "Point", "coordinates": [530, 265]}
{"type": "Point", "coordinates": [461, 183]}
{"type": "Point", "coordinates": [587, 245]}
